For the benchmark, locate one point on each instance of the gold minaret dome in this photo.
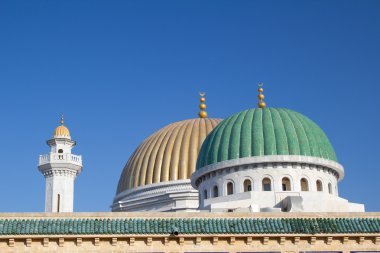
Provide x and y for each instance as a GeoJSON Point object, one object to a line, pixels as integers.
{"type": "Point", "coordinates": [62, 131]}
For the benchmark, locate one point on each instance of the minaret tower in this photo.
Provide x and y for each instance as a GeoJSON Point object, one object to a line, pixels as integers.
{"type": "Point", "coordinates": [60, 169]}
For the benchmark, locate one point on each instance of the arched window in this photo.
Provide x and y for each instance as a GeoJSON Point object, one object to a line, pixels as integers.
{"type": "Point", "coordinates": [319, 186]}
{"type": "Point", "coordinates": [330, 188]}
{"type": "Point", "coordinates": [267, 185]}
{"type": "Point", "coordinates": [304, 185]}
{"type": "Point", "coordinates": [247, 185]}
{"type": "Point", "coordinates": [60, 151]}
{"type": "Point", "coordinates": [230, 188]}
{"type": "Point", "coordinates": [286, 184]}
{"type": "Point", "coordinates": [215, 192]}
{"type": "Point", "coordinates": [205, 194]}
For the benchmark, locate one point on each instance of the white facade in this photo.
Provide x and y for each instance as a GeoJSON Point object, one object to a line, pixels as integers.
{"type": "Point", "coordinates": [60, 169]}
{"type": "Point", "coordinates": [272, 183]}
{"type": "Point", "coordinates": [171, 196]}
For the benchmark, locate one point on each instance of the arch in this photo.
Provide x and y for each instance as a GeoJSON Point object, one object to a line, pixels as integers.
{"type": "Point", "coordinates": [205, 194]}
{"type": "Point", "coordinates": [285, 183]}
{"type": "Point", "coordinates": [304, 185]}
{"type": "Point", "coordinates": [330, 188]}
{"type": "Point", "coordinates": [230, 188]}
{"type": "Point", "coordinates": [215, 191]}
{"type": "Point", "coordinates": [267, 184]}
{"type": "Point", "coordinates": [60, 151]}
{"type": "Point", "coordinates": [247, 185]}
{"type": "Point", "coordinates": [319, 185]}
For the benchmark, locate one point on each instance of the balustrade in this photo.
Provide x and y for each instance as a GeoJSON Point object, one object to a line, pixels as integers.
{"type": "Point", "coordinates": [52, 158]}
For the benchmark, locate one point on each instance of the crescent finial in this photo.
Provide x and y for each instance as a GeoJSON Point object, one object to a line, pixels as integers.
{"type": "Point", "coordinates": [62, 120]}
{"type": "Point", "coordinates": [202, 114]}
{"type": "Point", "coordinates": [261, 103]}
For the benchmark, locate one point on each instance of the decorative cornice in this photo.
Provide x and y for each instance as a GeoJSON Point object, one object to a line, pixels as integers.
{"type": "Point", "coordinates": [60, 172]}
{"type": "Point", "coordinates": [157, 188]}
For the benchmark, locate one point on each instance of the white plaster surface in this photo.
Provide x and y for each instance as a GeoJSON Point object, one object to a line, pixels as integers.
{"type": "Point", "coordinates": [60, 170]}
{"type": "Point", "coordinates": [274, 168]}
{"type": "Point", "coordinates": [174, 196]}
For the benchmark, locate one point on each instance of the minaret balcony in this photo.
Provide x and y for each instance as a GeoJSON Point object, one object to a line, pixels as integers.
{"type": "Point", "coordinates": [60, 158]}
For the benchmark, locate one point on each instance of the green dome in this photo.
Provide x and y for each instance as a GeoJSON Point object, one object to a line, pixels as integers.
{"type": "Point", "coordinates": [262, 132]}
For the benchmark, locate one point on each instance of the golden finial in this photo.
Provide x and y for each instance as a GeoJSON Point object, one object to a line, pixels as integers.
{"type": "Point", "coordinates": [62, 121]}
{"type": "Point", "coordinates": [261, 96]}
{"type": "Point", "coordinates": [202, 114]}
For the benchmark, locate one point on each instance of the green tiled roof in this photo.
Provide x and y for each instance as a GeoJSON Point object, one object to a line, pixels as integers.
{"type": "Point", "coordinates": [261, 132]}
{"type": "Point", "coordinates": [189, 226]}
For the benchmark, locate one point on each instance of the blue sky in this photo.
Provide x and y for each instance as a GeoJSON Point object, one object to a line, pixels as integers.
{"type": "Point", "coordinates": [120, 70]}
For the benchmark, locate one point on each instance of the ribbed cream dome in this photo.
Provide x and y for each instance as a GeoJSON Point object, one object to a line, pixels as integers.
{"type": "Point", "coordinates": [169, 154]}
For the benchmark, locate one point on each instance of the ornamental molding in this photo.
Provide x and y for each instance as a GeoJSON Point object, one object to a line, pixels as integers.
{"type": "Point", "coordinates": [296, 242]}
{"type": "Point", "coordinates": [60, 172]}
{"type": "Point", "coordinates": [176, 186]}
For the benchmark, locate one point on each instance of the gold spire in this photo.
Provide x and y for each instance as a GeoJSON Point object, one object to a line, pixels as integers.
{"type": "Point", "coordinates": [202, 114]}
{"type": "Point", "coordinates": [61, 131]}
{"type": "Point", "coordinates": [261, 96]}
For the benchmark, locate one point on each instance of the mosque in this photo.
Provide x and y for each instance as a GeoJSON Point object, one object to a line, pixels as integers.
{"type": "Point", "coordinates": [262, 180]}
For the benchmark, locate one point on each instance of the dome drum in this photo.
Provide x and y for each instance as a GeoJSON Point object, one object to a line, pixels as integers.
{"type": "Point", "coordinates": [277, 161]}
{"type": "Point", "coordinates": [247, 175]}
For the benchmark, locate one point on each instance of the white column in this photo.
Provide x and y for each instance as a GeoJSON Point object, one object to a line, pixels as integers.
{"type": "Point", "coordinates": [59, 194]}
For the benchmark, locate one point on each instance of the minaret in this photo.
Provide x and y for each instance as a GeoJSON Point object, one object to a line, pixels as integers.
{"type": "Point", "coordinates": [60, 168]}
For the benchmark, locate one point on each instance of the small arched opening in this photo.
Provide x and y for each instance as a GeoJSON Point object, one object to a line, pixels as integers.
{"type": "Point", "coordinates": [247, 185]}
{"type": "Point", "coordinates": [330, 188]}
{"type": "Point", "coordinates": [267, 184]}
{"type": "Point", "coordinates": [319, 186]}
{"type": "Point", "coordinates": [286, 184]}
{"type": "Point", "coordinates": [215, 192]}
{"type": "Point", "coordinates": [60, 156]}
{"type": "Point", "coordinates": [230, 188]}
{"type": "Point", "coordinates": [205, 194]}
{"type": "Point", "coordinates": [304, 185]}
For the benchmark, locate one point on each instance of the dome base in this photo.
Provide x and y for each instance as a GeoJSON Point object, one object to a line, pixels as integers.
{"type": "Point", "coordinates": [172, 196]}
{"type": "Point", "coordinates": [281, 202]}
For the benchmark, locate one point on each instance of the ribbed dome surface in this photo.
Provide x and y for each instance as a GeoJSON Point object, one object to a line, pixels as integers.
{"type": "Point", "coordinates": [61, 131]}
{"type": "Point", "coordinates": [261, 132]}
{"type": "Point", "coordinates": [169, 154]}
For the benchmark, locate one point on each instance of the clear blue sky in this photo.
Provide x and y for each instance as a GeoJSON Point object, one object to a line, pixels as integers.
{"type": "Point", "coordinates": [120, 70]}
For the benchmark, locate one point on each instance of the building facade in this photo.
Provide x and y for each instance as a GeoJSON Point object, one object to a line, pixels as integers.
{"type": "Point", "coordinates": [262, 180]}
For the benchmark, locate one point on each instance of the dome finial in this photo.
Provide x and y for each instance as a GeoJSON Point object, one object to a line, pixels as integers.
{"type": "Point", "coordinates": [202, 114]}
{"type": "Point", "coordinates": [62, 120]}
{"type": "Point", "coordinates": [261, 103]}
